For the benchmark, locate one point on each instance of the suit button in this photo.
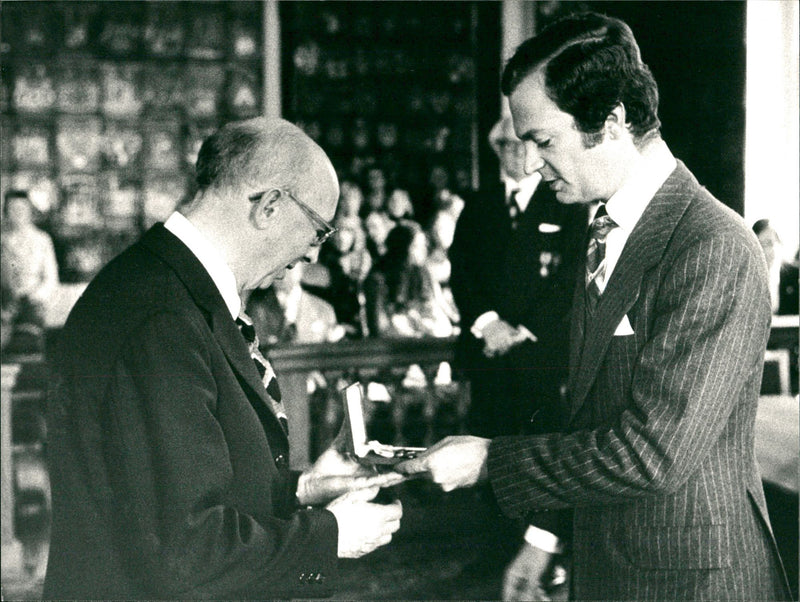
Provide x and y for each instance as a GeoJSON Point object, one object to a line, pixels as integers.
{"type": "Point", "coordinates": [320, 578]}
{"type": "Point", "coordinates": [280, 460]}
{"type": "Point", "coordinates": [302, 577]}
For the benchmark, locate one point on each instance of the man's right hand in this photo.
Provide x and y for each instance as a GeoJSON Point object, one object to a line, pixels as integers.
{"type": "Point", "coordinates": [523, 577]}
{"type": "Point", "coordinates": [364, 526]}
{"type": "Point", "coordinates": [498, 337]}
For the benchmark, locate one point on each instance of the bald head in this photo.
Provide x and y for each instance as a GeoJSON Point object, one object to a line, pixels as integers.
{"type": "Point", "coordinates": [243, 157]}
{"type": "Point", "coordinates": [263, 186]}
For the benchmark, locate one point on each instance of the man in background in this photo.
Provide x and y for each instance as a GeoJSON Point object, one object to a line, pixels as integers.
{"type": "Point", "coordinates": [29, 274]}
{"type": "Point", "coordinates": [167, 434]}
{"type": "Point", "coordinates": [514, 258]}
{"type": "Point", "coordinates": [514, 263]}
{"type": "Point", "coordinates": [287, 313]}
{"type": "Point", "coordinates": [667, 340]}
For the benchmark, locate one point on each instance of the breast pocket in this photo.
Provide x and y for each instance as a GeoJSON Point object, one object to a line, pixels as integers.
{"type": "Point", "coordinates": [673, 548]}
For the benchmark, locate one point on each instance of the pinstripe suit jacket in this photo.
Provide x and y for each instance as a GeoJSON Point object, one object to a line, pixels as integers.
{"type": "Point", "coordinates": [658, 457]}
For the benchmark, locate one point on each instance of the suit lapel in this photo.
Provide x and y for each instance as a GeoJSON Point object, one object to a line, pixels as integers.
{"type": "Point", "coordinates": [201, 287]}
{"type": "Point", "coordinates": [644, 249]}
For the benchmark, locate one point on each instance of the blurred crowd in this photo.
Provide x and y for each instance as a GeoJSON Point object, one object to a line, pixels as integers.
{"type": "Point", "coordinates": [384, 273]}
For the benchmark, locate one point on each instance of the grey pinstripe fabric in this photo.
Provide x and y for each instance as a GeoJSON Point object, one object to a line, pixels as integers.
{"type": "Point", "coordinates": [658, 459]}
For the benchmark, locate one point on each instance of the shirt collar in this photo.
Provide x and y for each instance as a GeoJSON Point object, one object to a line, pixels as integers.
{"type": "Point", "coordinates": [626, 205]}
{"type": "Point", "coordinates": [526, 186]}
{"type": "Point", "coordinates": [209, 257]}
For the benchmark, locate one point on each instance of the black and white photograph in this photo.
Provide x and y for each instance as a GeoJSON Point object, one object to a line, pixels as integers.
{"type": "Point", "coordinates": [400, 299]}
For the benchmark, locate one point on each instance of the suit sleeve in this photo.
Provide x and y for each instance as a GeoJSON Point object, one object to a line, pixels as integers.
{"type": "Point", "coordinates": [709, 329]}
{"type": "Point", "coordinates": [471, 295]}
{"type": "Point", "coordinates": [172, 474]}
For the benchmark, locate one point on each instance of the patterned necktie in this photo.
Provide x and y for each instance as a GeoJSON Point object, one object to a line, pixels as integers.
{"type": "Point", "coordinates": [263, 366]}
{"type": "Point", "coordinates": [513, 207]}
{"type": "Point", "coordinates": [602, 224]}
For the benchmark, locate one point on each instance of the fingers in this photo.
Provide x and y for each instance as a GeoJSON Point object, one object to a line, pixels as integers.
{"type": "Point", "coordinates": [314, 488]}
{"type": "Point", "coordinates": [364, 526]}
{"type": "Point", "coordinates": [364, 494]}
{"type": "Point", "coordinates": [511, 585]}
{"type": "Point", "coordinates": [518, 588]}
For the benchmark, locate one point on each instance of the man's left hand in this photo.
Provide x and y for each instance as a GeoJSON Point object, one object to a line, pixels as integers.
{"type": "Point", "coordinates": [523, 577]}
{"type": "Point", "coordinates": [334, 474]}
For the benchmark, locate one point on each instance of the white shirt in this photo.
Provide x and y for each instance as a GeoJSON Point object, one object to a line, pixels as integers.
{"type": "Point", "coordinates": [628, 203]}
{"type": "Point", "coordinates": [526, 186]}
{"type": "Point", "coordinates": [209, 257]}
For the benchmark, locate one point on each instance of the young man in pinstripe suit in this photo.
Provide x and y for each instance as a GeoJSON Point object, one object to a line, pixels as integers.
{"type": "Point", "coordinates": [669, 325]}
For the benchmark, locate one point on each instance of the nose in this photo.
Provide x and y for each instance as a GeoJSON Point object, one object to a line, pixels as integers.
{"type": "Point", "coordinates": [311, 255]}
{"type": "Point", "coordinates": [533, 160]}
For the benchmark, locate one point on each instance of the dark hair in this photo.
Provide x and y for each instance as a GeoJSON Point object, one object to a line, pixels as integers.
{"type": "Point", "coordinates": [591, 63]}
{"type": "Point", "coordinates": [225, 154]}
{"type": "Point", "coordinates": [15, 194]}
{"type": "Point", "coordinates": [403, 280]}
{"type": "Point", "coordinates": [760, 226]}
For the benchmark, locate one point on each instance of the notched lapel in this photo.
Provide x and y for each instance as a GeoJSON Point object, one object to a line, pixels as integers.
{"type": "Point", "coordinates": [643, 250]}
{"type": "Point", "coordinates": [231, 342]}
{"type": "Point", "coordinates": [201, 287]}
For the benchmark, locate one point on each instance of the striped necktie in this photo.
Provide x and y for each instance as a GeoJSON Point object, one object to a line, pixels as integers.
{"type": "Point", "coordinates": [263, 366]}
{"type": "Point", "coordinates": [513, 207]}
{"type": "Point", "coordinates": [596, 254]}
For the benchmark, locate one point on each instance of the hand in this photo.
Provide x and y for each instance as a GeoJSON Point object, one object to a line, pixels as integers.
{"type": "Point", "coordinates": [334, 474]}
{"type": "Point", "coordinates": [363, 526]}
{"type": "Point", "coordinates": [498, 337]}
{"type": "Point", "coordinates": [523, 577]}
{"type": "Point", "coordinates": [452, 463]}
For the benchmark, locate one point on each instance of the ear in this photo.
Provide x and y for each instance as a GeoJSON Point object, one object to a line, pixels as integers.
{"type": "Point", "coordinates": [615, 126]}
{"type": "Point", "coordinates": [263, 208]}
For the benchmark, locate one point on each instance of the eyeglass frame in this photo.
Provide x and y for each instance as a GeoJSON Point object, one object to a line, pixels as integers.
{"type": "Point", "coordinates": [324, 228]}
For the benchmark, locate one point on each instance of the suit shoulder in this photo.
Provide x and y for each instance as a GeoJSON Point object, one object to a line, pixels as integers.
{"type": "Point", "coordinates": [708, 218]}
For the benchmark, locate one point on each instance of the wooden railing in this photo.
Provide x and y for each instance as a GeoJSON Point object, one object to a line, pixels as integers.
{"type": "Point", "coordinates": [343, 362]}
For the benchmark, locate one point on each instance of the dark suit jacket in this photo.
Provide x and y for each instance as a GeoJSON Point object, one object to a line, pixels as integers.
{"type": "Point", "coordinates": [659, 459]}
{"type": "Point", "coordinates": [170, 472]}
{"type": "Point", "coordinates": [527, 275]}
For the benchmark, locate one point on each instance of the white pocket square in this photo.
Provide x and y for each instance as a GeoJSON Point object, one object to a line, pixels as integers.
{"type": "Point", "coordinates": [546, 228]}
{"type": "Point", "coordinates": [623, 328]}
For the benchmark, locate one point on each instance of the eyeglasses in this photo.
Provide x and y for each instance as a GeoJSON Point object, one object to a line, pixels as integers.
{"type": "Point", "coordinates": [324, 229]}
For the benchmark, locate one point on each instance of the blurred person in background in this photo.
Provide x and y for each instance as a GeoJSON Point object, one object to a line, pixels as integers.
{"type": "Point", "coordinates": [29, 274]}
{"type": "Point", "coordinates": [439, 196]}
{"type": "Point", "coordinates": [286, 313]}
{"type": "Point", "coordinates": [398, 206]}
{"type": "Point", "coordinates": [377, 225]}
{"type": "Point", "coordinates": [402, 297]}
{"type": "Point", "coordinates": [773, 252]}
{"type": "Point", "coordinates": [167, 435]}
{"type": "Point", "coordinates": [375, 190]}
{"type": "Point", "coordinates": [440, 236]}
{"type": "Point", "coordinates": [351, 199]}
{"type": "Point", "coordinates": [348, 262]}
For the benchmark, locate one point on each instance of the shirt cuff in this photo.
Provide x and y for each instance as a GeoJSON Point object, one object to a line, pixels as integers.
{"type": "Point", "coordinates": [544, 540]}
{"type": "Point", "coordinates": [482, 322]}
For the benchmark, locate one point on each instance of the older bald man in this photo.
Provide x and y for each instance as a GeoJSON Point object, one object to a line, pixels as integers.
{"type": "Point", "coordinates": [168, 445]}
